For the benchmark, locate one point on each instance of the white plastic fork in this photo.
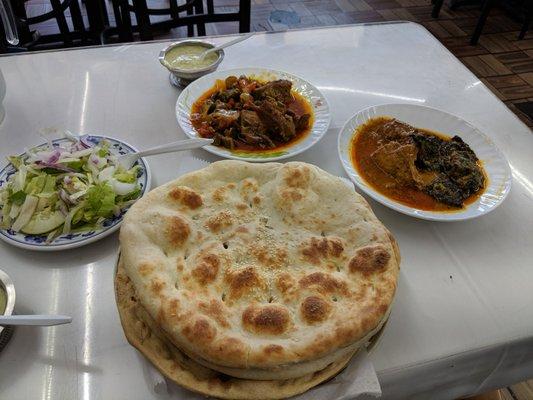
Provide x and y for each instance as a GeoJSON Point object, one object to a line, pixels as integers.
{"type": "Point", "coordinates": [127, 160]}
{"type": "Point", "coordinates": [40, 320]}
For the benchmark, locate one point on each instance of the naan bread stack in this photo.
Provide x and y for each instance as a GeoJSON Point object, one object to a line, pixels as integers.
{"type": "Point", "coordinates": [253, 281]}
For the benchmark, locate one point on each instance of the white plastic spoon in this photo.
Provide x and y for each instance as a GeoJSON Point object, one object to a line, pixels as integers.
{"type": "Point", "coordinates": [42, 320]}
{"type": "Point", "coordinates": [227, 44]}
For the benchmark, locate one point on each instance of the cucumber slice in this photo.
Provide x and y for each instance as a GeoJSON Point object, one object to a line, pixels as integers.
{"type": "Point", "coordinates": [43, 222]}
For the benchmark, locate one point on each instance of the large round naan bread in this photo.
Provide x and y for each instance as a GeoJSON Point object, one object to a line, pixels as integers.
{"type": "Point", "coordinates": [260, 271]}
{"type": "Point", "coordinates": [143, 333]}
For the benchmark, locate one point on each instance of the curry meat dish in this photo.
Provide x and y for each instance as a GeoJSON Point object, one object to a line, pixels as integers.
{"type": "Point", "coordinates": [246, 114]}
{"type": "Point", "coordinates": [417, 167]}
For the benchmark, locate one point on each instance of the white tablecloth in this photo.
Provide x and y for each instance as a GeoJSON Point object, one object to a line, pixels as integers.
{"type": "Point", "coordinates": [463, 317]}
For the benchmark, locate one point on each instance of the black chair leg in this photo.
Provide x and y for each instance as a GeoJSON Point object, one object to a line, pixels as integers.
{"type": "Point", "coordinates": [527, 19]}
{"type": "Point", "coordinates": [126, 34]}
{"type": "Point", "coordinates": [77, 19]}
{"type": "Point", "coordinates": [487, 5]}
{"type": "Point", "coordinates": [143, 19]}
{"type": "Point", "coordinates": [174, 9]}
{"type": "Point", "coordinates": [190, 27]}
{"type": "Point", "coordinates": [210, 7]}
{"type": "Point", "coordinates": [105, 16]}
{"type": "Point", "coordinates": [437, 5]}
{"type": "Point", "coordinates": [244, 11]}
{"type": "Point", "coordinates": [95, 15]}
{"type": "Point", "coordinates": [61, 22]}
{"type": "Point", "coordinates": [199, 9]}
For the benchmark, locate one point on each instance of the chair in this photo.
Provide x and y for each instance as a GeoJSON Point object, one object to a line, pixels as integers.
{"type": "Point", "coordinates": [195, 16]}
{"type": "Point", "coordinates": [527, 19]}
{"type": "Point", "coordinates": [485, 9]}
{"type": "Point", "coordinates": [437, 5]}
{"type": "Point", "coordinates": [30, 40]}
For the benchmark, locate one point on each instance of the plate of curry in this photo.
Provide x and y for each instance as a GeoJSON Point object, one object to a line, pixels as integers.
{"type": "Point", "coordinates": [254, 114]}
{"type": "Point", "coordinates": [424, 162]}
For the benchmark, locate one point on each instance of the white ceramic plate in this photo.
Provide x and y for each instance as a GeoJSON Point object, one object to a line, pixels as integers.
{"type": "Point", "coordinates": [322, 115]}
{"type": "Point", "coordinates": [73, 240]}
{"type": "Point", "coordinates": [494, 162]}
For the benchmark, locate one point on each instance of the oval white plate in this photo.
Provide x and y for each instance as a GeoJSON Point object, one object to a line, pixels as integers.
{"type": "Point", "coordinates": [73, 240]}
{"type": "Point", "coordinates": [494, 162]}
{"type": "Point", "coordinates": [322, 116]}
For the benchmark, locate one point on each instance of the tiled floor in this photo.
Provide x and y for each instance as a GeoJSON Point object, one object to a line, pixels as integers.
{"type": "Point", "coordinates": [521, 391]}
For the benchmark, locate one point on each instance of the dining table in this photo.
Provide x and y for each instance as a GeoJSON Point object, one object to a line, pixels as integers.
{"type": "Point", "coordinates": [462, 320]}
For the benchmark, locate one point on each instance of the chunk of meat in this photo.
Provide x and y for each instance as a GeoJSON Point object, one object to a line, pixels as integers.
{"type": "Point", "coordinates": [251, 123]}
{"type": "Point", "coordinates": [226, 95]}
{"type": "Point", "coordinates": [398, 160]}
{"type": "Point", "coordinates": [223, 119]}
{"type": "Point", "coordinates": [253, 131]}
{"type": "Point", "coordinates": [231, 82]}
{"type": "Point", "coordinates": [279, 90]}
{"type": "Point", "coordinates": [208, 107]}
{"type": "Point", "coordinates": [396, 131]}
{"type": "Point", "coordinates": [276, 121]}
{"type": "Point", "coordinates": [220, 105]}
{"type": "Point", "coordinates": [225, 141]}
{"type": "Point", "coordinates": [301, 122]}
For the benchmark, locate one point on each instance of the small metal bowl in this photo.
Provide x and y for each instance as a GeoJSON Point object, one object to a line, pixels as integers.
{"type": "Point", "coordinates": [182, 77]}
{"type": "Point", "coordinates": [6, 284]}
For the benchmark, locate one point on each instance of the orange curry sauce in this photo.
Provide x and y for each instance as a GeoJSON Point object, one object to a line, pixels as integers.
{"type": "Point", "coordinates": [299, 105]}
{"type": "Point", "coordinates": [364, 144]}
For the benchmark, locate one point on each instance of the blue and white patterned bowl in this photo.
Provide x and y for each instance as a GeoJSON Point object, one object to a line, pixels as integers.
{"type": "Point", "coordinates": [72, 240]}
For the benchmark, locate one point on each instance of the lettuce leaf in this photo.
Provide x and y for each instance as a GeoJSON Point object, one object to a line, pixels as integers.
{"type": "Point", "coordinates": [104, 148]}
{"type": "Point", "coordinates": [129, 176]}
{"type": "Point", "coordinates": [101, 199]}
{"type": "Point", "coordinates": [17, 161]}
{"type": "Point", "coordinates": [18, 197]}
{"type": "Point", "coordinates": [50, 184]}
{"type": "Point", "coordinates": [130, 196]}
{"type": "Point", "coordinates": [35, 185]}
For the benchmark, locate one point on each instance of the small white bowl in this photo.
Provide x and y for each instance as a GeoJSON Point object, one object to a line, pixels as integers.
{"type": "Point", "coordinates": [182, 77]}
{"type": "Point", "coordinates": [6, 284]}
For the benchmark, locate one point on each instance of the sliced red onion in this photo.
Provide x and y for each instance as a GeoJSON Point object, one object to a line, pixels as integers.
{"type": "Point", "coordinates": [85, 142]}
{"type": "Point", "coordinates": [53, 157]}
{"type": "Point", "coordinates": [97, 161]}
